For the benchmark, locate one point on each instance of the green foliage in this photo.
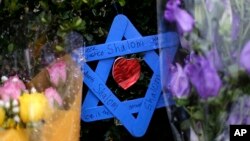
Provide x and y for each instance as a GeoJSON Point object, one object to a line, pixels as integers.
{"type": "Point", "coordinates": [33, 24]}
{"type": "Point", "coordinates": [122, 2]}
{"type": "Point", "coordinates": [92, 3]}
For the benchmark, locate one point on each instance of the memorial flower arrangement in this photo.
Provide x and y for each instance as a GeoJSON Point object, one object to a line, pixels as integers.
{"type": "Point", "coordinates": [212, 83]}
{"type": "Point", "coordinates": [39, 109]}
{"type": "Point", "coordinates": [21, 106]}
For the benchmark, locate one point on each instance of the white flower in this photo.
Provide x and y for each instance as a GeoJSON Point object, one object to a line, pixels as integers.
{"type": "Point", "coordinates": [14, 102]}
{"type": "Point", "coordinates": [17, 118]}
{"type": "Point", "coordinates": [4, 78]}
{"type": "Point", "coordinates": [33, 90]}
{"type": "Point", "coordinates": [1, 103]}
{"type": "Point", "coordinates": [7, 104]}
{"type": "Point", "coordinates": [16, 109]}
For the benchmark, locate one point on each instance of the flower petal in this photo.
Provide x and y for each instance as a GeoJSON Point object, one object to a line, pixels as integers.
{"type": "Point", "coordinates": [52, 96]}
{"type": "Point", "coordinates": [179, 84]}
{"type": "Point", "coordinates": [57, 72]}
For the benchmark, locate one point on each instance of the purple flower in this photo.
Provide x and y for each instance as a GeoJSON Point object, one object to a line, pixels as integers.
{"type": "Point", "coordinates": [209, 5]}
{"type": "Point", "coordinates": [203, 76]}
{"type": "Point", "coordinates": [174, 13]}
{"type": "Point", "coordinates": [179, 84]}
{"type": "Point", "coordinates": [233, 119]}
{"type": "Point", "coordinates": [171, 6]}
{"type": "Point", "coordinates": [235, 26]}
{"type": "Point", "coordinates": [240, 113]}
{"type": "Point", "coordinates": [214, 58]}
{"type": "Point", "coordinates": [245, 57]}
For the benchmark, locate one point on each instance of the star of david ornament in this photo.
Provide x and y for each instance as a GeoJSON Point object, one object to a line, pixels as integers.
{"type": "Point", "coordinates": [105, 54]}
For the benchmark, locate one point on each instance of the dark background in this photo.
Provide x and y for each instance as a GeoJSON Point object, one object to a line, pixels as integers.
{"type": "Point", "coordinates": [158, 130]}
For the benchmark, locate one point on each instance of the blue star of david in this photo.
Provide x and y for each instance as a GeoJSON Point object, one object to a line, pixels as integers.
{"type": "Point", "coordinates": [106, 53]}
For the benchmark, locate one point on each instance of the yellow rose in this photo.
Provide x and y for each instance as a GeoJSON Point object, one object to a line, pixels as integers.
{"type": "Point", "coordinates": [2, 115]}
{"type": "Point", "coordinates": [33, 107]}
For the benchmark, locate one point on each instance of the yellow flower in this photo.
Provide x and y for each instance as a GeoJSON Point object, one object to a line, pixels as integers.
{"type": "Point", "coordinates": [33, 107]}
{"type": "Point", "coordinates": [2, 115]}
{"type": "Point", "coordinates": [10, 123]}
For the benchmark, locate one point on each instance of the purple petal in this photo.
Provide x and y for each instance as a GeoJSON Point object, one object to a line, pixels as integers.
{"type": "Point", "coordinates": [203, 76]}
{"type": "Point", "coordinates": [245, 57]}
{"type": "Point", "coordinates": [174, 13]}
{"type": "Point", "coordinates": [179, 84]}
{"type": "Point", "coordinates": [235, 26]}
{"type": "Point", "coordinates": [184, 20]}
{"type": "Point", "coordinates": [214, 58]}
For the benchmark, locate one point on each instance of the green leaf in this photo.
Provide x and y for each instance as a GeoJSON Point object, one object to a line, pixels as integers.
{"type": "Point", "coordinates": [59, 48]}
{"type": "Point", "coordinates": [100, 31]}
{"type": "Point", "coordinates": [198, 115]}
{"type": "Point", "coordinates": [225, 23]}
{"type": "Point", "coordinates": [85, 1]}
{"type": "Point", "coordinates": [61, 33]}
{"type": "Point", "coordinates": [234, 70]}
{"type": "Point", "coordinates": [45, 18]}
{"type": "Point", "coordinates": [185, 125]}
{"type": "Point", "coordinates": [76, 4]}
{"type": "Point", "coordinates": [10, 47]}
{"type": "Point", "coordinates": [122, 2]}
{"type": "Point", "coordinates": [44, 5]}
{"type": "Point", "coordinates": [98, 1]}
{"type": "Point", "coordinates": [182, 101]}
{"type": "Point", "coordinates": [78, 24]}
{"type": "Point", "coordinates": [82, 26]}
{"type": "Point", "coordinates": [92, 3]}
{"type": "Point", "coordinates": [200, 17]}
{"type": "Point", "coordinates": [14, 6]}
{"type": "Point", "coordinates": [89, 37]}
{"type": "Point", "coordinates": [78, 21]}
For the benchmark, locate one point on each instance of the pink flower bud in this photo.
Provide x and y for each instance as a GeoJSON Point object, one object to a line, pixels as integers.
{"type": "Point", "coordinates": [11, 89]}
{"type": "Point", "coordinates": [53, 96]}
{"type": "Point", "coordinates": [57, 72]}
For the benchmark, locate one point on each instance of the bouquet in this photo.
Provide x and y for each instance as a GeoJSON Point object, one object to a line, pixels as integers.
{"type": "Point", "coordinates": [45, 109]}
{"type": "Point", "coordinates": [210, 78]}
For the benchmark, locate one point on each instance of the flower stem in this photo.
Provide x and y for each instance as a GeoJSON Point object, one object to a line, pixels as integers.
{"type": "Point", "coordinates": [208, 20]}
{"type": "Point", "coordinates": [205, 128]}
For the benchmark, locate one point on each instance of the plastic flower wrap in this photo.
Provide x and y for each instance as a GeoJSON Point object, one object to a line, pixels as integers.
{"type": "Point", "coordinates": [45, 109]}
{"type": "Point", "coordinates": [210, 75]}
